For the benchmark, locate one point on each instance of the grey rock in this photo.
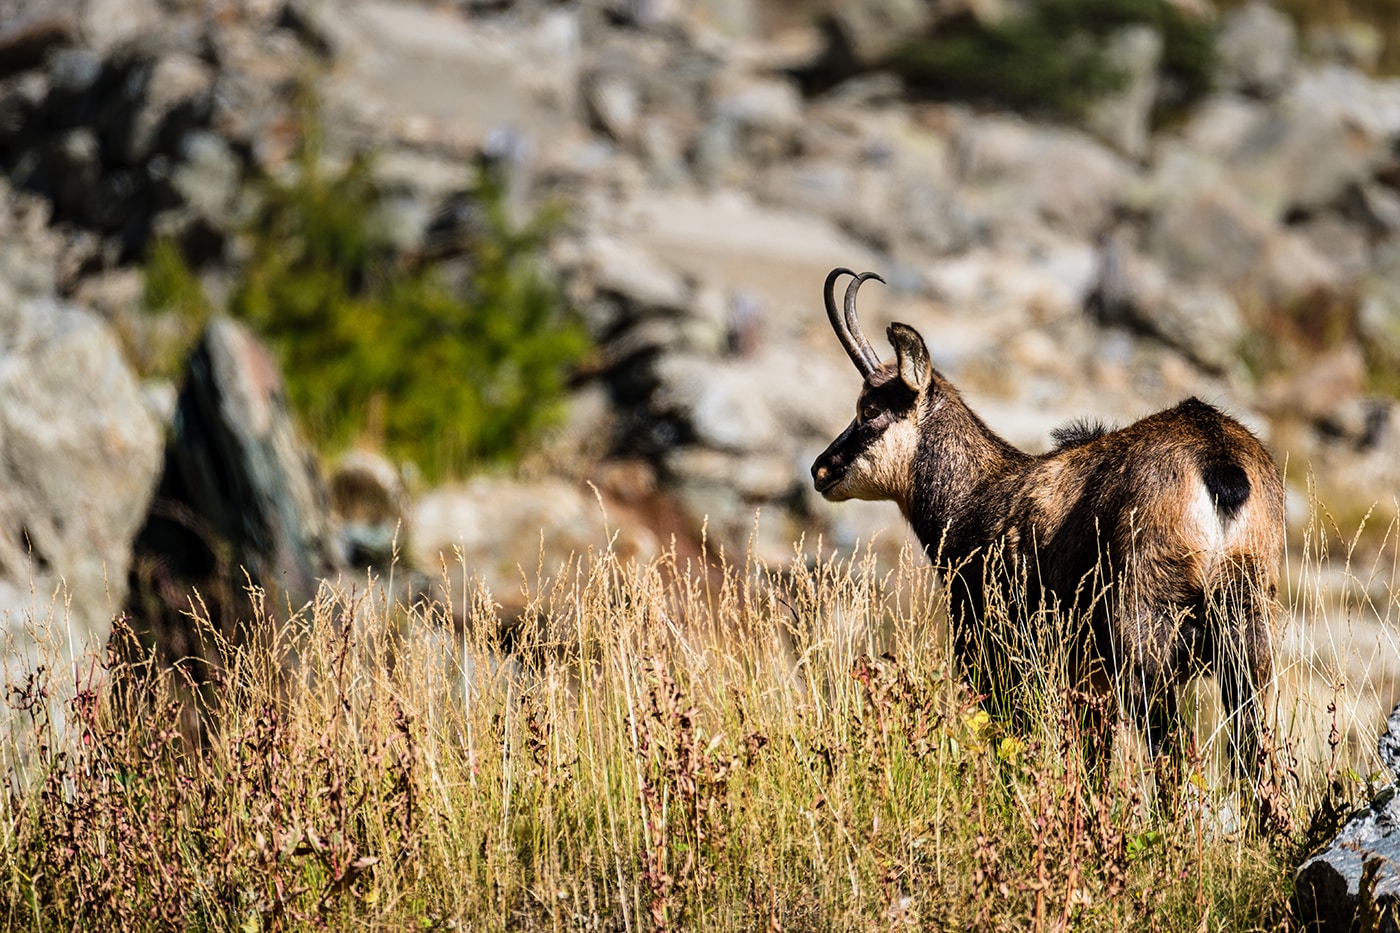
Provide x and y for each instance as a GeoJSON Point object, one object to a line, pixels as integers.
{"type": "Point", "coordinates": [248, 102]}
{"type": "Point", "coordinates": [1378, 207]}
{"type": "Point", "coordinates": [1388, 746]}
{"type": "Point", "coordinates": [1330, 132]}
{"type": "Point", "coordinates": [646, 13]}
{"type": "Point", "coordinates": [662, 143]}
{"type": "Point", "coordinates": [728, 242]}
{"type": "Point", "coordinates": [716, 155]}
{"type": "Point", "coordinates": [1018, 174]}
{"type": "Point", "coordinates": [1219, 126]}
{"type": "Point", "coordinates": [724, 403]}
{"type": "Point", "coordinates": [1355, 882]}
{"type": "Point", "coordinates": [757, 106]}
{"type": "Point", "coordinates": [1124, 119]}
{"type": "Point", "coordinates": [740, 526]}
{"type": "Point", "coordinates": [1327, 390]}
{"type": "Point", "coordinates": [74, 72]}
{"type": "Point", "coordinates": [1258, 49]}
{"type": "Point", "coordinates": [733, 19]}
{"type": "Point", "coordinates": [1210, 235]}
{"type": "Point", "coordinates": [371, 509]}
{"type": "Point", "coordinates": [27, 264]}
{"type": "Point", "coordinates": [1341, 242]}
{"type": "Point", "coordinates": [889, 182]}
{"type": "Point", "coordinates": [25, 41]}
{"type": "Point", "coordinates": [82, 453]}
{"type": "Point", "coordinates": [871, 28]}
{"type": "Point", "coordinates": [1378, 316]}
{"type": "Point", "coordinates": [753, 122]}
{"type": "Point", "coordinates": [1304, 159]}
{"type": "Point", "coordinates": [1047, 278]}
{"type": "Point", "coordinates": [1355, 44]}
{"type": "Point", "coordinates": [875, 89]}
{"type": "Point", "coordinates": [1359, 422]}
{"type": "Point", "coordinates": [1202, 321]}
{"type": "Point", "coordinates": [759, 478]}
{"type": "Point", "coordinates": [501, 534]}
{"type": "Point", "coordinates": [628, 271]}
{"type": "Point", "coordinates": [156, 90]}
{"type": "Point", "coordinates": [403, 219]}
{"type": "Point", "coordinates": [430, 75]}
{"type": "Point", "coordinates": [107, 24]}
{"type": "Point", "coordinates": [207, 176]}
{"type": "Point", "coordinates": [650, 336]}
{"type": "Point", "coordinates": [614, 104]}
{"type": "Point", "coordinates": [1294, 274]}
{"type": "Point", "coordinates": [240, 502]}
{"type": "Point", "coordinates": [318, 25]}
{"type": "Point", "coordinates": [21, 97]}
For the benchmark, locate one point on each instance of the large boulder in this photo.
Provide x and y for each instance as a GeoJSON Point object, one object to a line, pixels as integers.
{"type": "Point", "coordinates": [241, 513]}
{"type": "Point", "coordinates": [81, 455]}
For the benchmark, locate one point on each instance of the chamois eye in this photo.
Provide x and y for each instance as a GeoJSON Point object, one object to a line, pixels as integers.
{"type": "Point", "coordinates": [869, 411]}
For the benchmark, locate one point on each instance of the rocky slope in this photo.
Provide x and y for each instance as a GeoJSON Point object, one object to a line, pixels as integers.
{"type": "Point", "coordinates": [1248, 252]}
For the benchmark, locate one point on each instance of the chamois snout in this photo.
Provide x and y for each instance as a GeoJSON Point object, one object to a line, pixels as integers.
{"type": "Point", "coordinates": [830, 468]}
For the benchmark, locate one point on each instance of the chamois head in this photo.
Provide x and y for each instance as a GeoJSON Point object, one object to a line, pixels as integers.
{"type": "Point", "coordinates": [871, 459]}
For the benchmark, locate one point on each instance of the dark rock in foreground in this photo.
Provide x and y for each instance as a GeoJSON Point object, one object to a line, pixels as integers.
{"type": "Point", "coordinates": [1355, 883]}
{"type": "Point", "coordinates": [240, 504]}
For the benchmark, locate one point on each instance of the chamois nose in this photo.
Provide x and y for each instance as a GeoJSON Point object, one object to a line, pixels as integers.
{"type": "Point", "coordinates": [824, 474]}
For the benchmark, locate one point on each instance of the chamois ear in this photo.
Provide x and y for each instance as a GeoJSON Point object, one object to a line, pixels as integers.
{"type": "Point", "coordinates": [915, 371]}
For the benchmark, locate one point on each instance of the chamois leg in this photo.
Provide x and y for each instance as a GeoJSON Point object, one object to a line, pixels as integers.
{"type": "Point", "coordinates": [1091, 725]}
{"type": "Point", "coordinates": [1161, 719]}
{"type": "Point", "coordinates": [1149, 696]}
{"type": "Point", "coordinates": [1243, 664]}
{"type": "Point", "coordinates": [1161, 727]}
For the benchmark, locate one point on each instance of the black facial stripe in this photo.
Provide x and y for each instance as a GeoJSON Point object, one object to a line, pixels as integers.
{"type": "Point", "coordinates": [892, 398]}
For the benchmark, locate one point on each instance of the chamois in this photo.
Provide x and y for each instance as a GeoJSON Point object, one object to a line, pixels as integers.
{"type": "Point", "coordinates": [1163, 538]}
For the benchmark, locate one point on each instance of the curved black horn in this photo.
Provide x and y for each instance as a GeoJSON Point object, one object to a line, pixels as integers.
{"type": "Point", "coordinates": [838, 323]}
{"type": "Point", "coordinates": [858, 339]}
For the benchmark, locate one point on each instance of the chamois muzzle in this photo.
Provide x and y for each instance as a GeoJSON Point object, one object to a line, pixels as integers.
{"type": "Point", "coordinates": [829, 469]}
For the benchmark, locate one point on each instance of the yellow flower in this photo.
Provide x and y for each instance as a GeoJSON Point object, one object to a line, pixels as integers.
{"type": "Point", "coordinates": [1009, 748]}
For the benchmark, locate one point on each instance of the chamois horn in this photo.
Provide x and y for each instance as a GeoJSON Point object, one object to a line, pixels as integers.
{"type": "Point", "coordinates": [847, 327]}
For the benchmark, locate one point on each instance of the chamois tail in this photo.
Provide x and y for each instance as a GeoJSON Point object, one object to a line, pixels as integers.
{"type": "Point", "coordinates": [1228, 485]}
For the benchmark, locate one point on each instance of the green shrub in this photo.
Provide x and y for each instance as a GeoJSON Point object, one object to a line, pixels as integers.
{"type": "Point", "coordinates": [1051, 58]}
{"type": "Point", "coordinates": [376, 348]}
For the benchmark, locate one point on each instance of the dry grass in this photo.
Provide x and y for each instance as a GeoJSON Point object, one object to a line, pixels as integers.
{"type": "Point", "coordinates": [661, 750]}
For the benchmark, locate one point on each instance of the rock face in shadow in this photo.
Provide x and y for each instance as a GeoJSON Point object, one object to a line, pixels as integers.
{"type": "Point", "coordinates": [1355, 883]}
{"type": "Point", "coordinates": [240, 503]}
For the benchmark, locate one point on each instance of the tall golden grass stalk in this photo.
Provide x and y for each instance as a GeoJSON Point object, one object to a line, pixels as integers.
{"type": "Point", "coordinates": [650, 746]}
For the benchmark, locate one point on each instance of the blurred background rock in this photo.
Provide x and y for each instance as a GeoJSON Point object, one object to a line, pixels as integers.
{"type": "Point", "coordinates": [540, 276]}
